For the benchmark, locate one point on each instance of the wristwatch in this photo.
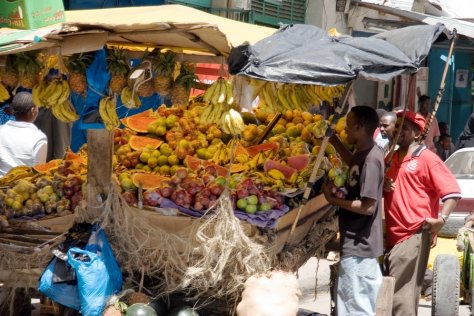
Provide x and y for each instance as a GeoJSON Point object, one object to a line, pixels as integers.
{"type": "Point", "coordinates": [444, 217]}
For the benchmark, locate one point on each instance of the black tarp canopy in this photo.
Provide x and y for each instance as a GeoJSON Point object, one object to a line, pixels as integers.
{"type": "Point", "coordinates": [305, 54]}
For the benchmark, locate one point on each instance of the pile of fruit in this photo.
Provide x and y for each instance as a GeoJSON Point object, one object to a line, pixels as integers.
{"type": "Point", "coordinates": [54, 188]}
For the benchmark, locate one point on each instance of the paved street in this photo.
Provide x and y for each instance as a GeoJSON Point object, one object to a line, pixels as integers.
{"type": "Point", "coordinates": [321, 304]}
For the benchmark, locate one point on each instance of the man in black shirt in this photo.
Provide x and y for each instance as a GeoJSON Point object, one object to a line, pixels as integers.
{"type": "Point", "coordinates": [360, 221]}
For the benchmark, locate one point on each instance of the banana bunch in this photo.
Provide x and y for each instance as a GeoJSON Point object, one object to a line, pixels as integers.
{"type": "Point", "coordinates": [127, 100]}
{"type": "Point", "coordinates": [15, 174]}
{"type": "Point", "coordinates": [232, 123]}
{"type": "Point", "coordinates": [258, 160]}
{"type": "Point", "coordinates": [221, 91]}
{"type": "Point", "coordinates": [48, 94]}
{"type": "Point", "coordinates": [4, 94]}
{"type": "Point", "coordinates": [108, 113]}
{"type": "Point", "coordinates": [271, 182]}
{"type": "Point", "coordinates": [276, 97]}
{"type": "Point", "coordinates": [221, 155]}
{"type": "Point", "coordinates": [219, 98]}
{"type": "Point", "coordinates": [65, 112]}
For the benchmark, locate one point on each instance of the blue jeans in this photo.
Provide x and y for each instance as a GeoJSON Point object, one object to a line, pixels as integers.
{"type": "Point", "coordinates": [358, 285]}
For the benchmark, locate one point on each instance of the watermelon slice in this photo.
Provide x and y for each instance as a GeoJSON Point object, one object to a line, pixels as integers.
{"type": "Point", "coordinates": [255, 149]}
{"type": "Point", "coordinates": [298, 162]}
{"type": "Point", "coordinates": [272, 164]}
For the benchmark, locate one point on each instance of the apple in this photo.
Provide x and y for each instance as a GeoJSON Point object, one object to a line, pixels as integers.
{"type": "Point", "coordinates": [242, 203]}
{"type": "Point", "coordinates": [251, 209]}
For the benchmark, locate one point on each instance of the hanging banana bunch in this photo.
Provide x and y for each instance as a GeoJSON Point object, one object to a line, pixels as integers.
{"type": "Point", "coordinates": [65, 111]}
{"type": "Point", "coordinates": [108, 113]}
{"type": "Point", "coordinates": [219, 99]}
{"type": "Point", "coordinates": [276, 97]}
{"type": "Point", "coordinates": [50, 93]}
{"type": "Point", "coordinates": [130, 98]}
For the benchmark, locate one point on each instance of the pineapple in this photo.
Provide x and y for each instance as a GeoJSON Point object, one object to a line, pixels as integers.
{"type": "Point", "coordinates": [147, 88]}
{"type": "Point", "coordinates": [163, 68]}
{"type": "Point", "coordinates": [118, 69]}
{"type": "Point", "coordinates": [28, 69]}
{"type": "Point", "coordinates": [182, 85]}
{"type": "Point", "coordinates": [9, 75]}
{"type": "Point", "coordinates": [77, 65]}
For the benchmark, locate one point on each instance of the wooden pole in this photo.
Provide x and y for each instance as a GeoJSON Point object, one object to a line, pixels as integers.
{"type": "Point", "coordinates": [99, 168]}
{"type": "Point", "coordinates": [442, 85]}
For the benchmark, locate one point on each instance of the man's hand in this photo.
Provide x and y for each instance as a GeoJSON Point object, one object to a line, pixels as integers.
{"type": "Point", "coordinates": [433, 225]}
{"type": "Point", "coordinates": [388, 184]}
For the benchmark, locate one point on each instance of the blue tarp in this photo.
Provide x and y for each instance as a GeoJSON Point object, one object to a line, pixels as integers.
{"type": "Point", "coordinates": [97, 81]}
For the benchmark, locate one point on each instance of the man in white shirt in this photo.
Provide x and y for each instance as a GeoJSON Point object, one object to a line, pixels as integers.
{"type": "Point", "coordinates": [21, 142]}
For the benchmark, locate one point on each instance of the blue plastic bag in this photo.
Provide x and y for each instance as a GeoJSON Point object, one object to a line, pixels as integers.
{"type": "Point", "coordinates": [66, 294]}
{"type": "Point", "coordinates": [97, 271]}
{"type": "Point", "coordinates": [98, 244]}
{"type": "Point", "coordinates": [93, 280]}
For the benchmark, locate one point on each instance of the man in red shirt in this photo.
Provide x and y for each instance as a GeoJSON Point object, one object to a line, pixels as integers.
{"type": "Point", "coordinates": [415, 182]}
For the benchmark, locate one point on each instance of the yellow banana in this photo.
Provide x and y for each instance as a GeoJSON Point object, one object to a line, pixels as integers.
{"type": "Point", "coordinates": [216, 93]}
{"type": "Point", "coordinates": [35, 94]}
{"type": "Point", "coordinates": [210, 92]}
{"type": "Point", "coordinates": [222, 92]}
{"type": "Point", "coordinates": [229, 93]}
{"type": "Point", "coordinates": [4, 95]}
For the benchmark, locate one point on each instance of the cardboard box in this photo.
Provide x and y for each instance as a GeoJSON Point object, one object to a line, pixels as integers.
{"type": "Point", "coordinates": [30, 14]}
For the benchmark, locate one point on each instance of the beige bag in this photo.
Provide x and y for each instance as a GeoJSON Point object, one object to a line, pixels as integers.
{"type": "Point", "coordinates": [273, 294]}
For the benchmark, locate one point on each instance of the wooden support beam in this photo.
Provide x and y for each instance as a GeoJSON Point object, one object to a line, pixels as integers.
{"type": "Point", "coordinates": [99, 168]}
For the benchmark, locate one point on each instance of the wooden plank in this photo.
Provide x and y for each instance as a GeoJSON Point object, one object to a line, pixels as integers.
{"type": "Point", "coordinates": [302, 229]}
{"type": "Point", "coordinates": [59, 224]}
{"type": "Point", "coordinates": [21, 277]}
{"type": "Point", "coordinates": [99, 167]}
{"type": "Point", "coordinates": [385, 298]}
{"type": "Point", "coordinates": [312, 206]}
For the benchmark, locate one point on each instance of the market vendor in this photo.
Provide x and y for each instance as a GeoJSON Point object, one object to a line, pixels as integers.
{"type": "Point", "coordinates": [360, 221]}
{"type": "Point", "coordinates": [21, 142]}
{"type": "Point", "coordinates": [415, 182]}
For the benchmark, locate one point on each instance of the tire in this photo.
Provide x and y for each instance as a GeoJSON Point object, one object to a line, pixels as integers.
{"type": "Point", "coordinates": [450, 229]}
{"type": "Point", "coordinates": [446, 286]}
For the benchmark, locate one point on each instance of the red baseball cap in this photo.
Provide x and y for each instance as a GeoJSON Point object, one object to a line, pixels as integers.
{"type": "Point", "coordinates": [413, 117]}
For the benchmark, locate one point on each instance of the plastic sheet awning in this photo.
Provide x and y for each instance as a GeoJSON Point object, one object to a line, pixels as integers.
{"type": "Point", "coordinates": [165, 26]}
{"type": "Point", "coordinates": [305, 54]}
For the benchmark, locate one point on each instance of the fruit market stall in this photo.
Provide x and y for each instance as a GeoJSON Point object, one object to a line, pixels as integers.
{"type": "Point", "coordinates": [194, 198]}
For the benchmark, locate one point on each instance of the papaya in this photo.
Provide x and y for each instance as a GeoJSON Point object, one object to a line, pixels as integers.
{"type": "Point", "coordinates": [146, 113]}
{"type": "Point", "coordinates": [138, 124]}
{"type": "Point", "coordinates": [193, 163]}
{"type": "Point", "coordinates": [148, 181]}
{"type": "Point", "coordinates": [45, 167]}
{"type": "Point", "coordinates": [139, 143]}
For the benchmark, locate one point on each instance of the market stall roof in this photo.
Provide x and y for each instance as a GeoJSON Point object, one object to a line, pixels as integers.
{"type": "Point", "coordinates": [305, 54]}
{"type": "Point", "coordinates": [462, 27]}
{"type": "Point", "coordinates": [170, 26]}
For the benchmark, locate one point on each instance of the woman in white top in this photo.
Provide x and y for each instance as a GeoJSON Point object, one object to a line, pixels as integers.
{"type": "Point", "coordinates": [21, 142]}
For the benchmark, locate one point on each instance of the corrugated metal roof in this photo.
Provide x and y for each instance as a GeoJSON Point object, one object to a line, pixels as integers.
{"type": "Point", "coordinates": [397, 4]}
{"type": "Point", "coordinates": [462, 27]}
